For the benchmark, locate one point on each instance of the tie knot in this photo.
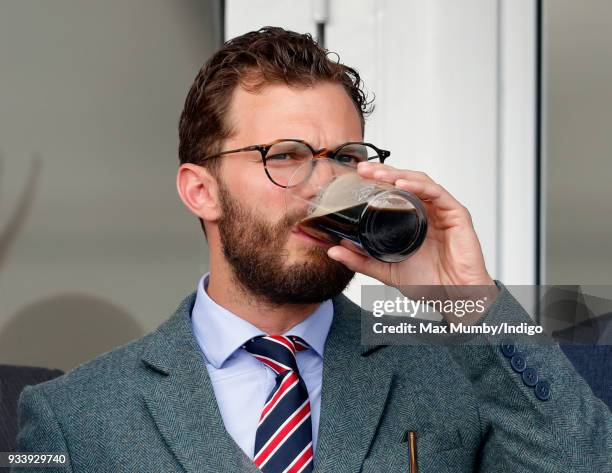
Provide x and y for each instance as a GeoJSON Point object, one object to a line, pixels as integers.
{"type": "Point", "coordinates": [276, 351]}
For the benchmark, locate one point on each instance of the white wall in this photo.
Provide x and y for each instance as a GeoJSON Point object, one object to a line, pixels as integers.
{"type": "Point", "coordinates": [454, 98]}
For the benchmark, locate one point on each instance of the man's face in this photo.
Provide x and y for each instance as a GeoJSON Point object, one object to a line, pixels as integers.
{"type": "Point", "coordinates": [258, 231]}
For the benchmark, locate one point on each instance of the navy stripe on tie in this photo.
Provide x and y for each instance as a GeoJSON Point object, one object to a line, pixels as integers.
{"type": "Point", "coordinates": [281, 411]}
{"type": "Point", "coordinates": [283, 441]}
{"type": "Point", "coordinates": [286, 453]}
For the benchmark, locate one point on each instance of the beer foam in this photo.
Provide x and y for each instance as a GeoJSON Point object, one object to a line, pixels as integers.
{"type": "Point", "coordinates": [347, 190]}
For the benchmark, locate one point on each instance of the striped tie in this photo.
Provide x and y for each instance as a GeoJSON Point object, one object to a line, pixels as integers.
{"type": "Point", "coordinates": [283, 442]}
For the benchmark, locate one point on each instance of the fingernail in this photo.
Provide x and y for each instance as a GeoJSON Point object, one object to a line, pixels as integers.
{"type": "Point", "coordinates": [333, 253]}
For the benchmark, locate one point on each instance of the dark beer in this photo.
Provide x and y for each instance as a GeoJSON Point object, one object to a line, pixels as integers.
{"type": "Point", "coordinates": [387, 234]}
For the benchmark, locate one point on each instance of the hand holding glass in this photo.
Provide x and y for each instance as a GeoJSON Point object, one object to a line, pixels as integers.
{"type": "Point", "coordinates": [382, 221]}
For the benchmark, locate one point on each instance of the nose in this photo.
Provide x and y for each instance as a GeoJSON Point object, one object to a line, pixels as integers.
{"type": "Point", "coordinates": [323, 171]}
{"type": "Point", "coordinates": [313, 178]}
{"type": "Point", "coordinates": [320, 173]}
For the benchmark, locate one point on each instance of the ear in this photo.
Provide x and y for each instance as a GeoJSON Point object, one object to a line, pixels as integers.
{"type": "Point", "coordinates": [198, 190]}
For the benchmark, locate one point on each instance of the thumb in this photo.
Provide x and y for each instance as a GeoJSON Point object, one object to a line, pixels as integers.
{"type": "Point", "coordinates": [354, 261]}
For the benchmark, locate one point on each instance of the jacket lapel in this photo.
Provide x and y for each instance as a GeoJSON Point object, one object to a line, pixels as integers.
{"type": "Point", "coordinates": [180, 397]}
{"type": "Point", "coordinates": [356, 383]}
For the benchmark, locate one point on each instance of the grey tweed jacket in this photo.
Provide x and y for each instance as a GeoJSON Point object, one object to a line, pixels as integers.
{"type": "Point", "coordinates": [149, 406]}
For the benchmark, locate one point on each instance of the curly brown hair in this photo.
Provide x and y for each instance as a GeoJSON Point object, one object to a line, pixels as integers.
{"type": "Point", "coordinates": [252, 60]}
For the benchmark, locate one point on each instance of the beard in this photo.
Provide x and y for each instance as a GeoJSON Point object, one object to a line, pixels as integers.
{"type": "Point", "coordinates": [256, 252]}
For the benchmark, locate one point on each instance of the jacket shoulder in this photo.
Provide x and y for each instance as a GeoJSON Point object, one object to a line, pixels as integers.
{"type": "Point", "coordinates": [114, 372]}
{"type": "Point", "coordinates": [107, 372]}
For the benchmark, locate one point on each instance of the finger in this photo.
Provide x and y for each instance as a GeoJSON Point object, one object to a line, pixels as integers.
{"type": "Point", "coordinates": [350, 245]}
{"type": "Point", "coordinates": [389, 174]}
{"type": "Point", "coordinates": [413, 181]}
{"type": "Point", "coordinates": [372, 165]}
{"type": "Point", "coordinates": [369, 168]}
{"type": "Point", "coordinates": [354, 261]}
{"type": "Point", "coordinates": [430, 192]}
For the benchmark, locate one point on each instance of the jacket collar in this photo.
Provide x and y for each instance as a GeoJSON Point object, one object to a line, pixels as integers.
{"type": "Point", "coordinates": [219, 332]}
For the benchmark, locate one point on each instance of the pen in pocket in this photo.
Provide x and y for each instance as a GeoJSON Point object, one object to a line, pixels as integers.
{"type": "Point", "coordinates": [410, 437]}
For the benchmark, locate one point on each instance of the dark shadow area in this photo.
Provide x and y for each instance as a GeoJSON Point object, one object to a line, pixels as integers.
{"type": "Point", "coordinates": [66, 330]}
{"type": "Point", "coordinates": [588, 345]}
{"type": "Point", "coordinates": [566, 314]}
{"type": "Point", "coordinates": [12, 381]}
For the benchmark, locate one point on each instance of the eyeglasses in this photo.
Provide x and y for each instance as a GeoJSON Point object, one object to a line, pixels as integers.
{"type": "Point", "coordinates": [282, 158]}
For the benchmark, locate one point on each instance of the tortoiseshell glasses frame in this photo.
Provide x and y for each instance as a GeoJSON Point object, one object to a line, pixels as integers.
{"type": "Point", "coordinates": [355, 151]}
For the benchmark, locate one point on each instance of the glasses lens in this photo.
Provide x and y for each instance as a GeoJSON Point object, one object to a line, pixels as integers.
{"type": "Point", "coordinates": [352, 154]}
{"type": "Point", "coordinates": [286, 159]}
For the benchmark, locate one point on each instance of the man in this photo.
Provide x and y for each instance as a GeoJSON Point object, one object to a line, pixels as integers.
{"type": "Point", "coordinates": [261, 368]}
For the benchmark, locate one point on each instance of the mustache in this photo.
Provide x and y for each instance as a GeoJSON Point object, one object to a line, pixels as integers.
{"type": "Point", "coordinates": [232, 205]}
{"type": "Point", "coordinates": [290, 219]}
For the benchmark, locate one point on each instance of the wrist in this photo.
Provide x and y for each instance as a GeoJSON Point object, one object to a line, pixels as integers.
{"type": "Point", "coordinates": [481, 293]}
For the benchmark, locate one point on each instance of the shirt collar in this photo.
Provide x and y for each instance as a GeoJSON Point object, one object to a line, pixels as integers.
{"type": "Point", "coordinates": [220, 332]}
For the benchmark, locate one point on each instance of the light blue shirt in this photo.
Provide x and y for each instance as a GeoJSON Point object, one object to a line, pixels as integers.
{"type": "Point", "coordinates": [241, 382]}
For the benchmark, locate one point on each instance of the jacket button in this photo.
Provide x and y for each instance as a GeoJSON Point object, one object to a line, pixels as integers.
{"type": "Point", "coordinates": [508, 348]}
{"type": "Point", "coordinates": [530, 377]}
{"type": "Point", "coordinates": [518, 363]}
{"type": "Point", "coordinates": [542, 390]}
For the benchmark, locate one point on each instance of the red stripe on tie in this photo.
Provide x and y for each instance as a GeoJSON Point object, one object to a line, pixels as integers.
{"type": "Point", "coordinates": [281, 435]}
{"type": "Point", "coordinates": [301, 461]}
{"type": "Point", "coordinates": [272, 364]}
{"type": "Point", "coordinates": [289, 382]}
{"type": "Point", "coordinates": [299, 346]}
{"type": "Point", "coordinates": [284, 341]}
